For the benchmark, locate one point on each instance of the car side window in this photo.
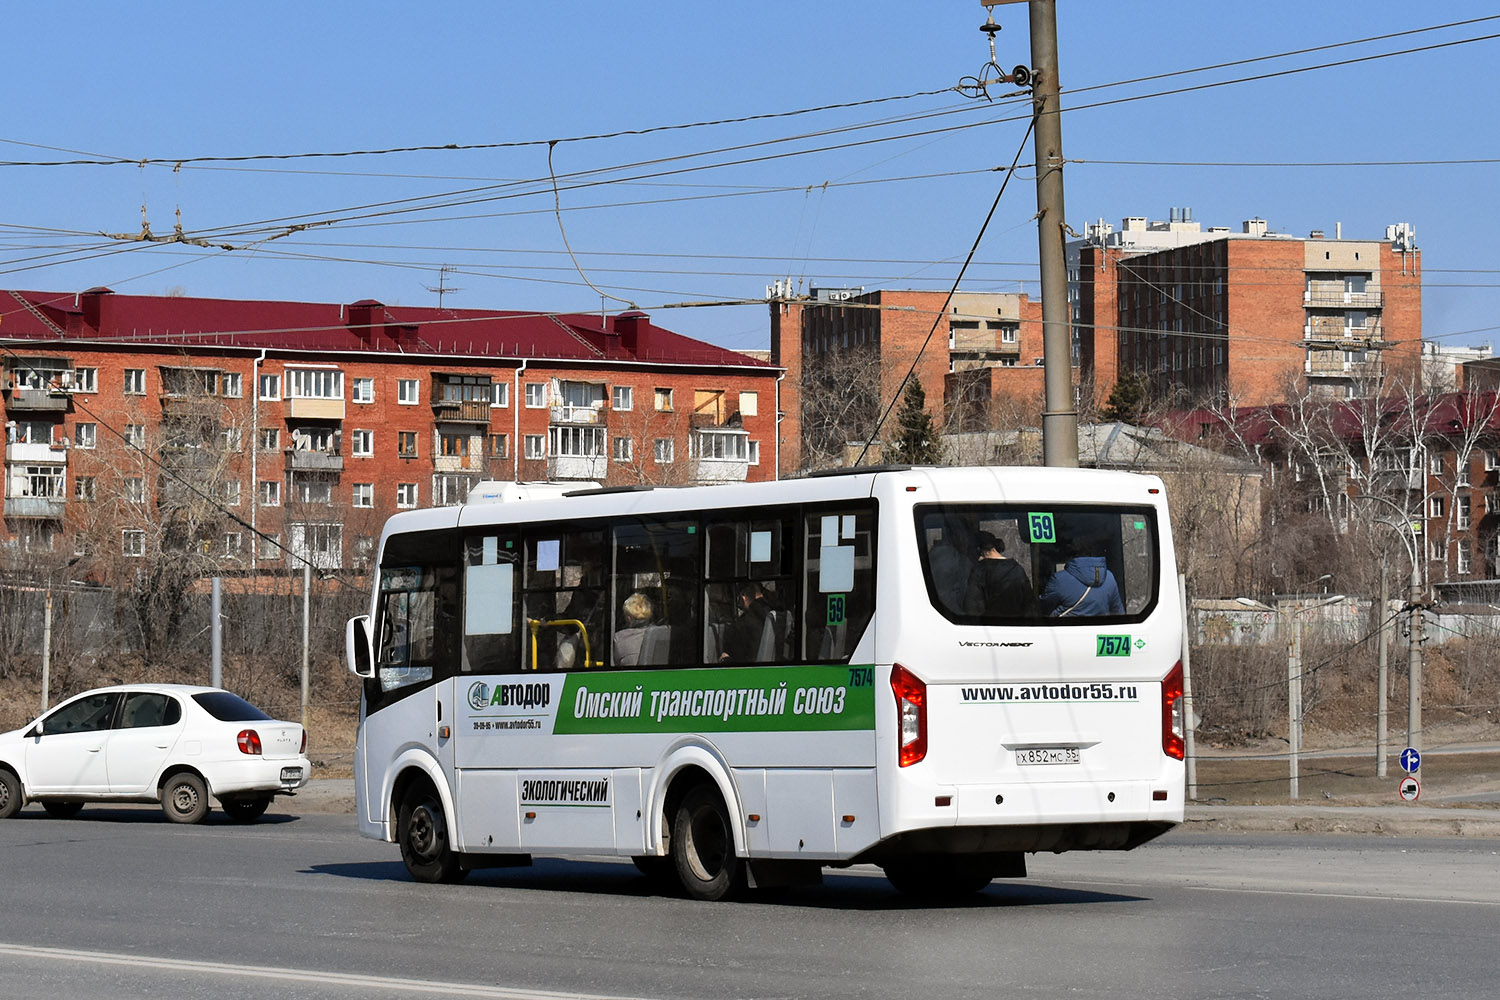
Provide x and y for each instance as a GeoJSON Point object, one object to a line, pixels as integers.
{"type": "Point", "coordinates": [86, 715]}
{"type": "Point", "coordinates": [145, 709]}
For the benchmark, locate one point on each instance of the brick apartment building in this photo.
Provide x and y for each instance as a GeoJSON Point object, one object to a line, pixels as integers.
{"type": "Point", "coordinates": [309, 424]}
{"type": "Point", "coordinates": [1203, 314]}
{"type": "Point", "coordinates": [846, 352]}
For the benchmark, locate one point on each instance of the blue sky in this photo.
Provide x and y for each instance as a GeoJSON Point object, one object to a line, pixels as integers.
{"type": "Point", "coordinates": [838, 197]}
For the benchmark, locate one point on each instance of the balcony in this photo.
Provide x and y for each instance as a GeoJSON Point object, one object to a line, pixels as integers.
{"type": "Point", "coordinates": [458, 463]}
{"type": "Point", "coordinates": [50, 508]}
{"type": "Point", "coordinates": [315, 408]}
{"type": "Point", "coordinates": [461, 411]}
{"type": "Point", "coordinates": [567, 413]}
{"type": "Point", "coordinates": [36, 400]}
{"type": "Point", "coordinates": [308, 460]}
{"type": "Point", "coordinates": [577, 467]}
{"type": "Point", "coordinates": [720, 470]}
{"type": "Point", "coordinates": [18, 451]}
{"type": "Point", "coordinates": [1334, 298]}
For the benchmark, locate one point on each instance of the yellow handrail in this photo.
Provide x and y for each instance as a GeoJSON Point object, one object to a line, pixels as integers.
{"type": "Point", "coordinates": [537, 624]}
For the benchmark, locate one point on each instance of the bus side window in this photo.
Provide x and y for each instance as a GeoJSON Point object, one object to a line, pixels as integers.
{"type": "Point", "coordinates": [566, 618]}
{"type": "Point", "coordinates": [750, 596]}
{"type": "Point", "coordinates": [492, 638]}
{"type": "Point", "coordinates": [839, 587]}
{"type": "Point", "coordinates": [660, 561]}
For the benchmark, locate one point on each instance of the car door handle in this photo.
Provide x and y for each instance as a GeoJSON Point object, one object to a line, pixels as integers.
{"type": "Point", "coordinates": [95, 749]}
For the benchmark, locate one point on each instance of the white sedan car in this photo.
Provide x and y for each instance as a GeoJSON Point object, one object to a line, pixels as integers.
{"type": "Point", "coordinates": [173, 743]}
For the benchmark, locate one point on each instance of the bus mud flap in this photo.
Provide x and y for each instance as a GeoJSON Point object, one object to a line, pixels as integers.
{"type": "Point", "coordinates": [769, 873]}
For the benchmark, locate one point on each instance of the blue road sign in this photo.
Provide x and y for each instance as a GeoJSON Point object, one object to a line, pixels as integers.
{"type": "Point", "coordinates": [1410, 760]}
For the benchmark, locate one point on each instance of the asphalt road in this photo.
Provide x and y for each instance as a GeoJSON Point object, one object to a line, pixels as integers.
{"type": "Point", "coordinates": [120, 903]}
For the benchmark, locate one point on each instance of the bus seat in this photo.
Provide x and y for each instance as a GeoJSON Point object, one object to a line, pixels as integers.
{"type": "Point", "coordinates": [656, 646]}
{"type": "Point", "coordinates": [714, 641]}
{"type": "Point", "coordinates": [769, 650]}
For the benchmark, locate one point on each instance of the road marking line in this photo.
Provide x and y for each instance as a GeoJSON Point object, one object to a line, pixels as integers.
{"type": "Point", "coordinates": [1343, 895]}
{"type": "Point", "coordinates": [295, 975]}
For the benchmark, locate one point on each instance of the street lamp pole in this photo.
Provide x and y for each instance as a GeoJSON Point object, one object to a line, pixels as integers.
{"type": "Point", "coordinates": [1414, 627]}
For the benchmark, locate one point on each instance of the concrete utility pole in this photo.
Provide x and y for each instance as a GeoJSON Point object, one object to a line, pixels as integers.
{"type": "Point", "coordinates": [1414, 656]}
{"type": "Point", "coordinates": [1294, 693]}
{"type": "Point", "coordinates": [1382, 711]}
{"type": "Point", "coordinates": [1060, 416]}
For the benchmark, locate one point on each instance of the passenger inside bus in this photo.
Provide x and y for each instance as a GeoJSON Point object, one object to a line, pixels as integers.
{"type": "Point", "coordinates": [745, 638]}
{"type": "Point", "coordinates": [636, 614]}
{"type": "Point", "coordinates": [1084, 586]}
{"type": "Point", "coordinates": [997, 586]}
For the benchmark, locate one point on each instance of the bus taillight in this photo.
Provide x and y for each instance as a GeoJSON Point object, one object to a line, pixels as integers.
{"type": "Point", "coordinates": [911, 711]}
{"type": "Point", "coordinates": [1172, 741]}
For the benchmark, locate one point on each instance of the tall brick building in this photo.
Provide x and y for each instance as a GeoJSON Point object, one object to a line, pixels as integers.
{"type": "Point", "coordinates": [311, 423]}
{"type": "Point", "coordinates": [846, 353]}
{"type": "Point", "coordinates": [1203, 314]}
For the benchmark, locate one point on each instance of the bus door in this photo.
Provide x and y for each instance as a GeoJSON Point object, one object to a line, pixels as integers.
{"type": "Point", "coordinates": [416, 657]}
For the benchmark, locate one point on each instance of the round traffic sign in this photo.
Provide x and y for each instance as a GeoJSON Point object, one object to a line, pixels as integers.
{"type": "Point", "coordinates": [1410, 788]}
{"type": "Point", "coordinates": [1411, 760]}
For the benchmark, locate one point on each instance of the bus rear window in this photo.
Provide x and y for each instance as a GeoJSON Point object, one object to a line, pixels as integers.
{"type": "Point", "coordinates": [1007, 564]}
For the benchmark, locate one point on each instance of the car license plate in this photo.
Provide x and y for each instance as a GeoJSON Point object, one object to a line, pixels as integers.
{"type": "Point", "coordinates": [291, 774]}
{"type": "Point", "coordinates": [1047, 755]}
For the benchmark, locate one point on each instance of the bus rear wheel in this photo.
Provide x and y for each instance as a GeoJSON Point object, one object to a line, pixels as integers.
{"type": "Point", "coordinates": [703, 847]}
{"type": "Point", "coordinates": [422, 830]}
{"type": "Point", "coordinates": [938, 877]}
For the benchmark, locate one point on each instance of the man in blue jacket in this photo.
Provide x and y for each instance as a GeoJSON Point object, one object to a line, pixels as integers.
{"type": "Point", "coordinates": [1084, 586]}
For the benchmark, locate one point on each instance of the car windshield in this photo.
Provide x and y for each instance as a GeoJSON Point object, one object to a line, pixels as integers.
{"type": "Point", "coordinates": [1038, 563]}
{"type": "Point", "coordinates": [228, 707]}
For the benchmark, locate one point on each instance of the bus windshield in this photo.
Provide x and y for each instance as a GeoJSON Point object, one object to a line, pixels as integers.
{"type": "Point", "coordinates": [992, 564]}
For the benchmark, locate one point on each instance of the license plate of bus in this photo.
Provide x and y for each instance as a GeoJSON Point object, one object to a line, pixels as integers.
{"type": "Point", "coordinates": [1047, 755]}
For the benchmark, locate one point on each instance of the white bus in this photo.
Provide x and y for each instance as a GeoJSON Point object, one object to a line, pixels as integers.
{"type": "Point", "coordinates": [935, 671]}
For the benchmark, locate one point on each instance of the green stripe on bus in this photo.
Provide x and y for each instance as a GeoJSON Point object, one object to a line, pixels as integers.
{"type": "Point", "coordinates": [730, 700]}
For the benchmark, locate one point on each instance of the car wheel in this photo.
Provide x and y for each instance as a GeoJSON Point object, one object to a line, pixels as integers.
{"type": "Point", "coordinates": [703, 847]}
{"type": "Point", "coordinates": [245, 810]}
{"type": "Point", "coordinates": [938, 878]}
{"type": "Point", "coordinates": [422, 829]}
{"type": "Point", "coordinates": [184, 798]}
{"type": "Point", "coordinates": [10, 794]}
{"type": "Point", "coordinates": [62, 808]}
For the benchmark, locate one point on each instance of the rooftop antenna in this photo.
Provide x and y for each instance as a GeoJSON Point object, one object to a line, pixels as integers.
{"type": "Point", "coordinates": [442, 285]}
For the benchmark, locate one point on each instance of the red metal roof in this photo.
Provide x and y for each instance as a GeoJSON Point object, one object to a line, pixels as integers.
{"type": "Point", "coordinates": [367, 325]}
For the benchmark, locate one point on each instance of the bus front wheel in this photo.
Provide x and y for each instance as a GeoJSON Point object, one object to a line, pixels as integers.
{"type": "Point", "coordinates": [703, 847]}
{"type": "Point", "coordinates": [422, 830]}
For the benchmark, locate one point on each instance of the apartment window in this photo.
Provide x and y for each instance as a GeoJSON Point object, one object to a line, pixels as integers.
{"type": "Point", "coordinates": [499, 445]}
{"type": "Point", "coordinates": [500, 394]}
{"type": "Point", "coordinates": [1462, 562]}
{"type": "Point", "coordinates": [135, 381]}
{"type": "Point", "coordinates": [364, 494]}
{"type": "Point", "coordinates": [86, 380]}
{"type": "Point", "coordinates": [85, 488]}
{"type": "Point", "coordinates": [313, 489]}
{"type": "Point", "coordinates": [364, 390]}
{"type": "Point", "coordinates": [232, 493]}
{"type": "Point", "coordinates": [664, 399]}
{"type": "Point", "coordinates": [1491, 461]}
{"type": "Point", "coordinates": [270, 547]}
{"type": "Point", "coordinates": [406, 444]}
{"type": "Point", "coordinates": [623, 397]}
{"type": "Point", "coordinates": [270, 439]}
{"type": "Point", "coordinates": [1435, 463]}
{"type": "Point", "coordinates": [135, 489]}
{"type": "Point", "coordinates": [719, 445]}
{"type": "Point", "coordinates": [453, 445]}
{"type": "Point", "coordinates": [754, 452]}
{"type": "Point", "coordinates": [233, 384]}
{"type": "Point", "coordinates": [270, 493]}
{"type": "Point", "coordinates": [536, 395]}
{"type": "Point", "coordinates": [314, 383]}
{"type": "Point", "coordinates": [749, 404]}
{"type": "Point", "coordinates": [1463, 474]}
{"type": "Point", "coordinates": [1435, 507]}
{"type": "Point", "coordinates": [85, 435]}
{"type": "Point", "coordinates": [408, 393]}
{"type": "Point", "coordinates": [233, 542]}
{"type": "Point", "coordinates": [406, 495]}
{"type": "Point", "coordinates": [364, 550]}
{"type": "Point", "coordinates": [320, 544]}
{"type": "Point", "coordinates": [663, 451]}
{"type": "Point", "coordinates": [580, 442]}
{"type": "Point", "coordinates": [232, 438]}
{"type": "Point", "coordinates": [133, 543]}
{"type": "Point", "coordinates": [270, 387]}
{"type": "Point", "coordinates": [622, 449]}
{"type": "Point", "coordinates": [362, 443]}
{"type": "Point", "coordinates": [536, 446]}
{"type": "Point", "coordinates": [315, 437]}
{"type": "Point", "coordinates": [1010, 334]}
{"type": "Point", "coordinates": [1462, 513]}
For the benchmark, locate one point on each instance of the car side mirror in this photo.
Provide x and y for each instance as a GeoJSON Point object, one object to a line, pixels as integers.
{"type": "Point", "coordinates": [34, 731]}
{"type": "Point", "coordinates": [357, 647]}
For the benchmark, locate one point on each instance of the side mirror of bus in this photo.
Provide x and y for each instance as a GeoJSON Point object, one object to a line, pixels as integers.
{"type": "Point", "coordinates": [357, 647]}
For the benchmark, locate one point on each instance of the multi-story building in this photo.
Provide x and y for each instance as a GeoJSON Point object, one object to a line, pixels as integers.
{"type": "Point", "coordinates": [272, 431]}
{"type": "Point", "coordinates": [847, 351]}
{"type": "Point", "coordinates": [1243, 315]}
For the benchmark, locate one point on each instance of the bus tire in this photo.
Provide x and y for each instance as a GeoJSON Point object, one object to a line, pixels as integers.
{"type": "Point", "coordinates": [422, 830]}
{"type": "Point", "coordinates": [703, 847]}
{"type": "Point", "coordinates": [938, 877]}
